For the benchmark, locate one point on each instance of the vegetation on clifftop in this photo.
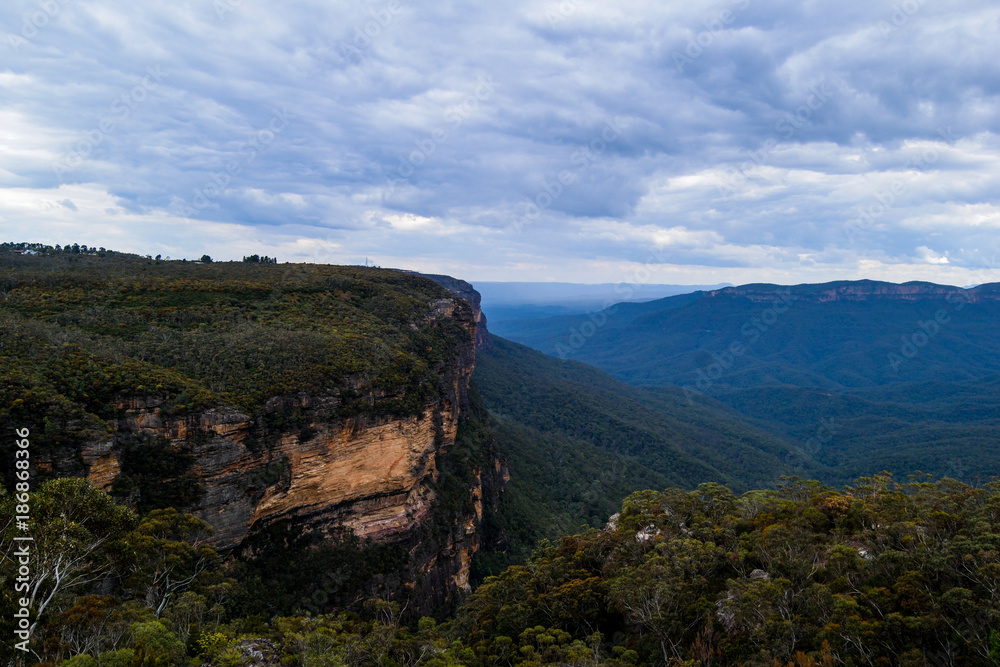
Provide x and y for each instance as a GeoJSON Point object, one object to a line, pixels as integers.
{"type": "Point", "coordinates": [82, 331]}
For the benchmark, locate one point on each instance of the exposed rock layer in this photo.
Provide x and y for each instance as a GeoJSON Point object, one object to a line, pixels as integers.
{"type": "Point", "coordinates": [371, 475]}
{"type": "Point", "coordinates": [465, 290]}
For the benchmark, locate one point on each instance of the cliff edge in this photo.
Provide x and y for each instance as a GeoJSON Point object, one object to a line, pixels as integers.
{"type": "Point", "coordinates": [327, 400]}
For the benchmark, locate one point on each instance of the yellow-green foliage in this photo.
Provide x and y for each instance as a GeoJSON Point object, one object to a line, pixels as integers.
{"type": "Point", "coordinates": [879, 573]}
{"type": "Point", "coordinates": [798, 575]}
{"type": "Point", "coordinates": [79, 332]}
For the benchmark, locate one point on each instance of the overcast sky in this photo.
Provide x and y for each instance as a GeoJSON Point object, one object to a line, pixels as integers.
{"type": "Point", "coordinates": [583, 141]}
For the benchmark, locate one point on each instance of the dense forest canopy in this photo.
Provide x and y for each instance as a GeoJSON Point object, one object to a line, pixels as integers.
{"type": "Point", "coordinates": [879, 573]}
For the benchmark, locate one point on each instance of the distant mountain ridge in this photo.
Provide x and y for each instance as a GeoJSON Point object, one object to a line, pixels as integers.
{"type": "Point", "coordinates": [860, 290]}
{"type": "Point", "coordinates": [906, 372]}
{"type": "Point", "coordinates": [831, 334]}
{"type": "Point", "coordinates": [513, 301]}
{"type": "Point", "coordinates": [548, 293]}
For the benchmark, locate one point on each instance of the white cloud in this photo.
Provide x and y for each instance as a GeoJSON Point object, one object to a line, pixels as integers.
{"type": "Point", "coordinates": [931, 257]}
{"type": "Point", "coordinates": [750, 162]}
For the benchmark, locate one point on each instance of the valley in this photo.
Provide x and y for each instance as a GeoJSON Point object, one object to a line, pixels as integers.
{"type": "Point", "coordinates": [859, 376]}
{"type": "Point", "coordinates": [306, 461]}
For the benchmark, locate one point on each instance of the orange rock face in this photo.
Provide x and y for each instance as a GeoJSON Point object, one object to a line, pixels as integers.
{"type": "Point", "coordinates": [372, 481]}
{"type": "Point", "coordinates": [372, 476]}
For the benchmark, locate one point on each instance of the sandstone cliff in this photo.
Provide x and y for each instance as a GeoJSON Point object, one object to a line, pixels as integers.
{"type": "Point", "coordinates": [373, 475]}
{"type": "Point", "coordinates": [466, 291]}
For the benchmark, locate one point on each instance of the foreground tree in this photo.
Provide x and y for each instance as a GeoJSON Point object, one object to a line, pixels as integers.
{"type": "Point", "coordinates": [167, 555]}
{"type": "Point", "coordinates": [77, 536]}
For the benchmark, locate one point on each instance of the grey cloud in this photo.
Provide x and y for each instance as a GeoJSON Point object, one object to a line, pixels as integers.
{"type": "Point", "coordinates": [830, 103]}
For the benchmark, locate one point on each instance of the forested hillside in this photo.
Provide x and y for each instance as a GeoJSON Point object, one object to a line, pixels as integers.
{"type": "Point", "coordinates": [253, 464]}
{"type": "Point", "coordinates": [879, 573]}
{"type": "Point", "coordinates": [860, 376]}
{"type": "Point", "coordinates": [882, 572]}
{"type": "Point", "coordinates": [948, 428]}
{"type": "Point", "coordinates": [577, 441]}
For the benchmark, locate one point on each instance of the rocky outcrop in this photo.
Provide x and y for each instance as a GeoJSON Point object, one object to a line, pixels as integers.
{"type": "Point", "coordinates": [368, 474]}
{"type": "Point", "coordinates": [466, 291]}
{"type": "Point", "coordinates": [369, 478]}
{"type": "Point", "coordinates": [101, 461]}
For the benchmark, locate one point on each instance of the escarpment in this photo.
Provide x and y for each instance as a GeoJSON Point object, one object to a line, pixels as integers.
{"type": "Point", "coordinates": [369, 476]}
{"type": "Point", "coordinates": [328, 400]}
{"type": "Point", "coordinates": [291, 406]}
{"type": "Point", "coordinates": [465, 290]}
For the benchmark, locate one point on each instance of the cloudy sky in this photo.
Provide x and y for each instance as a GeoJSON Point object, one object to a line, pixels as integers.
{"type": "Point", "coordinates": [574, 140]}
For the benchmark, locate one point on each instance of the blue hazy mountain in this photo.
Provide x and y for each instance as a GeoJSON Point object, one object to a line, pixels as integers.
{"type": "Point", "coordinates": [514, 301]}
{"type": "Point", "coordinates": [862, 375]}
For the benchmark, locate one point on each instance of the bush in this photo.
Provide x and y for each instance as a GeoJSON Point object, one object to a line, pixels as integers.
{"type": "Point", "coordinates": [82, 660]}
{"type": "Point", "coordinates": [155, 645]}
{"type": "Point", "coordinates": [124, 657]}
